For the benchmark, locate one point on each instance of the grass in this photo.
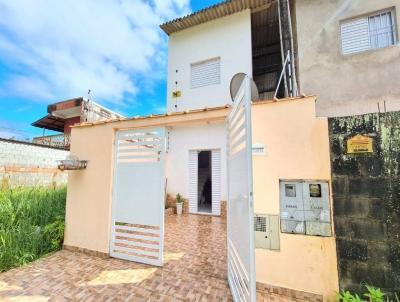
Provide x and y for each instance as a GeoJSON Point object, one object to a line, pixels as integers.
{"type": "Point", "coordinates": [31, 224]}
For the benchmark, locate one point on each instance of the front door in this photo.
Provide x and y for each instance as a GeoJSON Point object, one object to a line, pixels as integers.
{"type": "Point", "coordinates": [241, 262]}
{"type": "Point", "coordinates": [137, 224]}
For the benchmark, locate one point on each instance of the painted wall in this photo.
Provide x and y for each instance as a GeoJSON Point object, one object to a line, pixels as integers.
{"type": "Point", "coordinates": [297, 147]}
{"type": "Point", "coordinates": [228, 38]}
{"type": "Point", "coordinates": [351, 84]}
{"type": "Point", "coordinates": [88, 210]}
{"type": "Point", "coordinates": [204, 136]}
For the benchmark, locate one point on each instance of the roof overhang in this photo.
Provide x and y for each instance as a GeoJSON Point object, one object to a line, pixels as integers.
{"type": "Point", "coordinates": [50, 122]}
{"type": "Point", "coordinates": [216, 11]}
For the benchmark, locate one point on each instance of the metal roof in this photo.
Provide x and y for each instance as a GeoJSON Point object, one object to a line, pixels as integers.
{"type": "Point", "coordinates": [213, 12]}
{"type": "Point", "coordinates": [50, 122]}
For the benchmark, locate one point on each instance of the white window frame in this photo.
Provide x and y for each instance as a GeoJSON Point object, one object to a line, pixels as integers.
{"type": "Point", "coordinates": [216, 81]}
{"type": "Point", "coordinates": [367, 18]}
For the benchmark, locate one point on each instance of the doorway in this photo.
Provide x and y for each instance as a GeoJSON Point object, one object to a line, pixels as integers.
{"type": "Point", "coordinates": [204, 182]}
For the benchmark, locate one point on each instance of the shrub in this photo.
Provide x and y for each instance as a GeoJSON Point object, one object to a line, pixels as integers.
{"type": "Point", "coordinates": [31, 224]}
{"type": "Point", "coordinates": [372, 294]}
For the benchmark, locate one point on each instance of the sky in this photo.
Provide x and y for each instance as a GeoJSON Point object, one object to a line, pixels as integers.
{"type": "Point", "coordinates": [55, 50]}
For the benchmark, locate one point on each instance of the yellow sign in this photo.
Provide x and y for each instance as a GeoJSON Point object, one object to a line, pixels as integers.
{"type": "Point", "coordinates": [176, 94]}
{"type": "Point", "coordinates": [359, 144]}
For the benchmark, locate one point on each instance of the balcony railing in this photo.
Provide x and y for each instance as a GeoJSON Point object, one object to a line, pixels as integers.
{"type": "Point", "coordinates": [58, 140]}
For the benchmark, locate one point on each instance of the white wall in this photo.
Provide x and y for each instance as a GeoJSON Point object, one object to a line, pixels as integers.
{"type": "Point", "coordinates": [25, 164]}
{"type": "Point", "coordinates": [200, 136]}
{"type": "Point", "coordinates": [228, 38]}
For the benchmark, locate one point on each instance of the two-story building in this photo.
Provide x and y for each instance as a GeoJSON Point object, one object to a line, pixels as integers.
{"type": "Point", "coordinates": [346, 55]}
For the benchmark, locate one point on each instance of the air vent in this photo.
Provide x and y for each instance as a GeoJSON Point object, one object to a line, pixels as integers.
{"type": "Point", "coordinates": [260, 224]}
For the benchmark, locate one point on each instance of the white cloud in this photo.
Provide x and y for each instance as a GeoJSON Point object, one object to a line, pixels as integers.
{"type": "Point", "coordinates": [63, 48]}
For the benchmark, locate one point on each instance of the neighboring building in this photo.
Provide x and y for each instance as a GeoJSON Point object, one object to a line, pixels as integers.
{"type": "Point", "coordinates": [62, 115]}
{"type": "Point", "coordinates": [349, 54]}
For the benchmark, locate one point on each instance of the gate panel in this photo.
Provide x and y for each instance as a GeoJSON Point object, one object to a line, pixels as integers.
{"type": "Point", "coordinates": [241, 263]}
{"type": "Point", "coordinates": [137, 226]}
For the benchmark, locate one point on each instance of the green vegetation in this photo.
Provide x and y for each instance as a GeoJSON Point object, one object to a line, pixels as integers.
{"type": "Point", "coordinates": [31, 224]}
{"type": "Point", "coordinates": [372, 294]}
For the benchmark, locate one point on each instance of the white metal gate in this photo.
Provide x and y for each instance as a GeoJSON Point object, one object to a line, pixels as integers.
{"type": "Point", "coordinates": [241, 263]}
{"type": "Point", "coordinates": [137, 225]}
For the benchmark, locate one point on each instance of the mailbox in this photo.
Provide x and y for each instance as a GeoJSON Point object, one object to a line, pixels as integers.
{"type": "Point", "coordinates": [305, 207]}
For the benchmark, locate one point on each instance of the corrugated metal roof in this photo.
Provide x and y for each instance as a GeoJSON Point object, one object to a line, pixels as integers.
{"type": "Point", "coordinates": [216, 11]}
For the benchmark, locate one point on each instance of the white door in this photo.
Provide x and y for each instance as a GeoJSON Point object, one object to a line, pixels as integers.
{"type": "Point", "coordinates": [241, 263]}
{"type": "Point", "coordinates": [137, 226]}
{"type": "Point", "coordinates": [193, 178]}
{"type": "Point", "coordinates": [216, 181]}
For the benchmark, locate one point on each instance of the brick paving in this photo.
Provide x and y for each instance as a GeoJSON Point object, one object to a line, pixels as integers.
{"type": "Point", "coordinates": [194, 270]}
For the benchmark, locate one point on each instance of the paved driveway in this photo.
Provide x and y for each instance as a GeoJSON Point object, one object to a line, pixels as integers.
{"type": "Point", "coordinates": [195, 270]}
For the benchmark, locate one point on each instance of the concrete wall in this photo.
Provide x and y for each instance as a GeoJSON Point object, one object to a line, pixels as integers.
{"type": "Point", "coordinates": [366, 203]}
{"type": "Point", "coordinates": [182, 139]}
{"type": "Point", "coordinates": [351, 84]}
{"type": "Point", "coordinates": [26, 164]}
{"type": "Point", "coordinates": [297, 147]}
{"type": "Point", "coordinates": [228, 38]}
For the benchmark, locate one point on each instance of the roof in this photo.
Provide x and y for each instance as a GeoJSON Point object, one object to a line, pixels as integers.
{"type": "Point", "coordinates": [154, 116]}
{"type": "Point", "coordinates": [50, 122]}
{"type": "Point", "coordinates": [213, 12]}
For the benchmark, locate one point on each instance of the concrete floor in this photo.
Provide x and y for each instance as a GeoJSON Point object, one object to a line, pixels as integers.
{"type": "Point", "coordinates": [194, 270]}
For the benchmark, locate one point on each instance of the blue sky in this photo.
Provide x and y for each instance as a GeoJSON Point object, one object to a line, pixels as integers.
{"type": "Point", "coordinates": [55, 50]}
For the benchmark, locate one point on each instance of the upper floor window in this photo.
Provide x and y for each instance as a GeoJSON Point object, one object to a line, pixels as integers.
{"type": "Point", "coordinates": [368, 32]}
{"type": "Point", "coordinates": [205, 73]}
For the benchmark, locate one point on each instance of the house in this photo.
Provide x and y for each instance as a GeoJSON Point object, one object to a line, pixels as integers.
{"type": "Point", "coordinates": [62, 115]}
{"type": "Point", "coordinates": [193, 148]}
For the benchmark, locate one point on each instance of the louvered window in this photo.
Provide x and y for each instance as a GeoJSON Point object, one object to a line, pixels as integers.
{"type": "Point", "coordinates": [369, 32]}
{"type": "Point", "coordinates": [205, 73]}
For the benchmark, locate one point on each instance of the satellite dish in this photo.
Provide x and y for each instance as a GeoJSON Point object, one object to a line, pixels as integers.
{"type": "Point", "coordinates": [236, 82]}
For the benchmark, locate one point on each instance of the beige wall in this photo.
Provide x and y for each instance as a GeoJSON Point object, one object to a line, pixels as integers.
{"type": "Point", "coordinates": [297, 147]}
{"type": "Point", "coordinates": [88, 209]}
{"type": "Point", "coordinates": [351, 84]}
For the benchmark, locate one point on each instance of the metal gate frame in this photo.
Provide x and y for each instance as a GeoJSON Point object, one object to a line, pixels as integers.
{"type": "Point", "coordinates": [241, 271]}
{"type": "Point", "coordinates": [137, 227]}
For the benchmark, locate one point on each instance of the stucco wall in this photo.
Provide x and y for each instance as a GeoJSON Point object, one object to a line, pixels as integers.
{"type": "Point", "coordinates": [88, 209]}
{"type": "Point", "coordinates": [351, 84]}
{"type": "Point", "coordinates": [228, 38]}
{"type": "Point", "coordinates": [199, 136]}
{"type": "Point", "coordinates": [297, 147]}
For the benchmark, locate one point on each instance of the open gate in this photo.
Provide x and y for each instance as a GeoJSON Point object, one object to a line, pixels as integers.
{"type": "Point", "coordinates": [137, 224]}
{"type": "Point", "coordinates": [241, 263]}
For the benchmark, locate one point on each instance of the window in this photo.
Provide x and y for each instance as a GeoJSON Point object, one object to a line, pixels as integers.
{"type": "Point", "coordinates": [368, 32]}
{"type": "Point", "coordinates": [205, 73]}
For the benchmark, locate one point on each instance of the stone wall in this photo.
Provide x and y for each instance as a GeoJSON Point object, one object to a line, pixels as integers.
{"type": "Point", "coordinates": [366, 200]}
{"type": "Point", "coordinates": [27, 164]}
